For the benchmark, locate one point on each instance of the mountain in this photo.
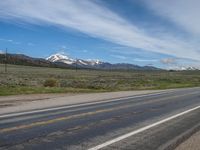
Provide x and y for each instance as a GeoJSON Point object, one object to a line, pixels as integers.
{"type": "Point", "coordinates": [60, 58]}
{"type": "Point", "coordinates": [21, 59]}
{"type": "Point", "coordinates": [182, 68]}
{"type": "Point", "coordinates": [192, 68]}
{"type": "Point", "coordinates": [95, 64]}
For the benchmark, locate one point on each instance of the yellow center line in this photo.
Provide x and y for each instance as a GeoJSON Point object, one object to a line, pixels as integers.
{"type": "Point", "coordinates": [40, 123]}
{"type": "Point", "coordinates": [58, 120]}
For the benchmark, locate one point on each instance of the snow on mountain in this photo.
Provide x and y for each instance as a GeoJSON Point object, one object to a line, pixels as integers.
{"type": "Point", "coordinates": [183, 68]}
{"type": "Point", "coordinates": [190, 68]}
{"type": "Point", "coordinates": [81, 62]}
{"type": "Point", "coordinates": [67, 60]}
{"type": "Point", "coordinates": [94, 62]}
{"type": "Point", "coordinates": [60, 58]}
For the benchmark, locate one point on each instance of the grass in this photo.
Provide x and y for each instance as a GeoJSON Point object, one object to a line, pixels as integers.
{"type": "Point", "coordinates": [28, 80]}
{"type": "Point", "coordinates": [5, 91]}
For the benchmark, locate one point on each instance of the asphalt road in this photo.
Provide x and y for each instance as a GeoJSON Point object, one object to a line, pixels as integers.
{"type": "Point", "coordinates": [149, 122]}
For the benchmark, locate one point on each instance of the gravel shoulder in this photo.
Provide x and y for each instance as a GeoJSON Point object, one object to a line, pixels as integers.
{"type": "Point", "coordinates": [13, 104]}
{"type": "Point", "coordinates": [193, 143]}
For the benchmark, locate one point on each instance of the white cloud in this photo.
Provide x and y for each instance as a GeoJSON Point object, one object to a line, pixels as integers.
{"type": "Point", "coordinates": [176, 63]}
{"type": "Point", "coordinates": [184, 13]}
{"type": "Point", "coordinates": [95, 20]}
{"type": "Point", "coordinates": [168, 61]}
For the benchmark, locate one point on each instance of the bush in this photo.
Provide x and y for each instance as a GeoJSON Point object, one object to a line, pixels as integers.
{"type": "Point", "coordinates": [64, 83]}
{"type": "Point", "coordinates": [50, 83]}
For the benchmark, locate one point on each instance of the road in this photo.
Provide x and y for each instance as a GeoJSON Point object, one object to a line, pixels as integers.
{"type": "Point", "coordinates": [149, 122]}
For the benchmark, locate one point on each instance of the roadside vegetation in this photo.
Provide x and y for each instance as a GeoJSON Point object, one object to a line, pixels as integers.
{"type": "Point", "coordinates": [29, 80]}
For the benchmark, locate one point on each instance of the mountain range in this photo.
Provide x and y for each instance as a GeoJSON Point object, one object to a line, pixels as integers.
{"type": "Point", "coordinates": [184, 68]}
{"type": "Point", "coordinates": [70, 61]}
{"type": "Point", "coordinates": [63, 61]}
{"type": "Point", "coordinates": [95, 64]}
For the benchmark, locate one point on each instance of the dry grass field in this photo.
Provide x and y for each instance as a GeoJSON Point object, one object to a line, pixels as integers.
{"type": "Point", "coordinates": [29, 80]}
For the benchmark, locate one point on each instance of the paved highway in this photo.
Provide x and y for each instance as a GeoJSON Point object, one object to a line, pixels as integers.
{"type": "Point", "coordinates": [149, 122]}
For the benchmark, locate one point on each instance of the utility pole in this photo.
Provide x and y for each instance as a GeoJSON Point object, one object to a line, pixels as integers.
{"type": "Point", "coordinates": [76, 64]}
{"type": "Point", "coordinates": [6, 61]}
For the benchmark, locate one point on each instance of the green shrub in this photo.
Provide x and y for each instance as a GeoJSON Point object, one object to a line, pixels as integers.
{"type": "Point", "coordinates": [50, 83]}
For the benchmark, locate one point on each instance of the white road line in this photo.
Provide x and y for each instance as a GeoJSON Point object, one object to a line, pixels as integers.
{"type": "Point", "coordinates": [77, 105]}
{"type": "Point", "coordinates": [141, 129]}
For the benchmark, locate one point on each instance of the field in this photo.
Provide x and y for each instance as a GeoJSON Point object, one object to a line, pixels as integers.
{"type": "Point", "coordinates": [28, 80]}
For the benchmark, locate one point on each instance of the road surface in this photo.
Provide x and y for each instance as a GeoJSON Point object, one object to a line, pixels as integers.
{"type": "Point", "coordinates": [149, 122]}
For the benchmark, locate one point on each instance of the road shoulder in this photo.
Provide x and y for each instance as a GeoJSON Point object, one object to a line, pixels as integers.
{"type": "Point", "coordinates": [193, 143]}
{"type": "Point", "coordinates": [13, 104]}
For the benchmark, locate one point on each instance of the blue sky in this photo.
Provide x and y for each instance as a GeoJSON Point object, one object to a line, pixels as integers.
{"type": "Point", "coordinates": [163, 33]}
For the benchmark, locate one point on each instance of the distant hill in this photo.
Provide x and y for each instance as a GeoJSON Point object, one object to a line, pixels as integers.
{"type": "Point", "coordinates": [20, 59]}
{"type": "Point", "coordinates": [62, 61]}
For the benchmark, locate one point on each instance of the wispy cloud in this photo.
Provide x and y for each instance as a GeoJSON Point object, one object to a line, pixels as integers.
{"type": "Point", "coordinates": [184, 13]}
{"type": "Point", "coordinates": [63, 47]}
{"type": "Point", "coordinates": [119, 57]}
{"type": "Point", "coordinates": [10, 41]}
{"type": "Point", "coordinates": [135, 59]}
{"type": "Point", "coordinates": [84, 51]}
{"type": "Point", "coordinates": [30, 44]}
{"type": "Point", "coordinates": [177, 63]}
{"type": "Point", "coordinates": [94, 19]}
{"type": "Point", "coordinates": [145, 60]}
{"type": "Point", "coordinates": [168, 61]}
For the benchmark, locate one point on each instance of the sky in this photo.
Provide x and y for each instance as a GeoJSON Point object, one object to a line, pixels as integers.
{"type": "Point", "coordinates": [162, 33]}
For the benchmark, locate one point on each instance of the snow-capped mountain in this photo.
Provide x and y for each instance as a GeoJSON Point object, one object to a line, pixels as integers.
{"type": "Point", "coordinates": [192, 68]}
{"type": "Point", "coordinates": [184, 68]}
{"type": "Point", "coordinates": [61, 58]}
